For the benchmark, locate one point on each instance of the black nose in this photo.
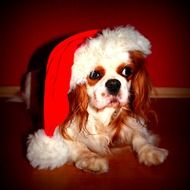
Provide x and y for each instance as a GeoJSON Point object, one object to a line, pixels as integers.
{"type": "Point", "coordinates": [113, 86]}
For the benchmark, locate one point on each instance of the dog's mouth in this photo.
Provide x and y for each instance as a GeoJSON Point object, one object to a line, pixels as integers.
{"type": "Point", "coordinates": [114, 102]}
{"type": "Point", "coordinates": [107, 100]}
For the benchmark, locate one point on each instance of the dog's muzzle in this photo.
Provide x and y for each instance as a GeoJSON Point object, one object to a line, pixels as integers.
{"type": "Point", "coordinates": [113, 86]}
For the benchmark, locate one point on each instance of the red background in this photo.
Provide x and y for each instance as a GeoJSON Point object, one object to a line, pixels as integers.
{"type": "Point", "coordinates": [26, 26]}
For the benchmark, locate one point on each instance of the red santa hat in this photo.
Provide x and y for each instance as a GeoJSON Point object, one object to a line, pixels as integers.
{"type": "Point", "coordinates": [57, 83]}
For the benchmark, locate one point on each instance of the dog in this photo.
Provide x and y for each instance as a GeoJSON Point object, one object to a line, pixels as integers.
{"type": "Point", "coordinates": [109, 104]}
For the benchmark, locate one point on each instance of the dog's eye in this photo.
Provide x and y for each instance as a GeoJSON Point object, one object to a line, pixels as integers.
{"type": "Point", "coordinates": [127, 72]}
{"type": "Point", "coordinates": [94, 75]}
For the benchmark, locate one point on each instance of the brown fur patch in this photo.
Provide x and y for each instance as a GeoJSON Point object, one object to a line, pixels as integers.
{"type": "Point", "coordinates": [78, 102]}
{"type": "Point", "coordinates": [120, 68]}
{"type": "Point", "coordinates": [99, 69]}
{"type": "Point", "coordinates": [140, 87]}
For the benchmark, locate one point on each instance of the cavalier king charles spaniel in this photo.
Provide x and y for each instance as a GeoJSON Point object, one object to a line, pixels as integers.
{"type": "Point", "coordinates": [109, 104]}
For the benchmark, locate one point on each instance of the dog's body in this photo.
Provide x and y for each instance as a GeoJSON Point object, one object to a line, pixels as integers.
{"type": "Point", "coordinates": [89, 148]}
{"type": "Point", "coordinates": [109, 104]}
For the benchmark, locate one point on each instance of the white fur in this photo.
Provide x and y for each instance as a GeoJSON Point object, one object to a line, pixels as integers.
{"type": "Point", "coordinates": [47, 152]}
{"type": "Point", "coordinates": [110, 46]}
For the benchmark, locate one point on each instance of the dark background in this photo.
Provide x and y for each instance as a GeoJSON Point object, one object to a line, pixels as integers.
{"type": "Point", "coordinates": [27, 25]}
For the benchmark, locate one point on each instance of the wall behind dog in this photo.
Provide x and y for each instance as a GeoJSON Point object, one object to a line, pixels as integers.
{"type": "Point", "coordinates": [28, 25]}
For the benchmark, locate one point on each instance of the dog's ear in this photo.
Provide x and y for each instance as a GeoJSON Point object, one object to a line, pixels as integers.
{"type": "Point", "coordinates": [140, 86]}
{"type": "Point", "coordinates": [78, 99]}
{"type": "Point", "coordinates": [78, 103]}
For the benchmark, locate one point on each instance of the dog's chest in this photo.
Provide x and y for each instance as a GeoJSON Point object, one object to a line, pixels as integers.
{"type": "Point", "coordinates": [104, 116]}
{"type": "Point", "coordinates": [98, 134]}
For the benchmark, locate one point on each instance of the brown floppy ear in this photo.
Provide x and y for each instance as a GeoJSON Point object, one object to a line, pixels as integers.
{"type": "Point", "coordinates": [78, 103]}
{"type": "Point", "coordinates": [78, 99]}
{"type": "Point", "coordinates": [140, 86]}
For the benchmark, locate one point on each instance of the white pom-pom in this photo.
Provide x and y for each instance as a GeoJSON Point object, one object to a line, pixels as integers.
{"type": "Point", "coordinates": [47, 152]}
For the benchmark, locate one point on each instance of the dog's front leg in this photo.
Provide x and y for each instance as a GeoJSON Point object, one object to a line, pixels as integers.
{"type": "Point", "coordinates": [142, 142]}
{"type": "Point", "coordinates": [87, 160]}
{"type": "Point", "coordinates": [147, 152]}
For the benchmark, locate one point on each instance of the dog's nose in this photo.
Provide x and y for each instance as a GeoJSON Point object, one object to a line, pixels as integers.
{"type": "Point", "coordinates": [113, 86]}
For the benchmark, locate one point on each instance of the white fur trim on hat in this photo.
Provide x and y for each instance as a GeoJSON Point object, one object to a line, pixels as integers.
{"type": "Point", "coordinates": [109, 45]}
{"type": "Point", "coordinates": [47, 152]}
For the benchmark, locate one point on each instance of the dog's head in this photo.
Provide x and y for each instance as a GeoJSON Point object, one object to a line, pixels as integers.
{"type": "Point", "coordinates": [119, 84]}
{"type": "Point", "coordinates": [109, 71]}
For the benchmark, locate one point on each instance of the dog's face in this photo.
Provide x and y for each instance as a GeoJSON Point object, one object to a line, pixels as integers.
{"type": "Point", "coordinates": [109, 86]}
{"type": "Point", "coordinates": [114, 84]}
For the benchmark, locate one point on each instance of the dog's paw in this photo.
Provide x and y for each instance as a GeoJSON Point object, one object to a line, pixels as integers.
{"type": "Point", "coordinates": [93, 164]}
{"type": "Point", "coordinates": [152, 155]}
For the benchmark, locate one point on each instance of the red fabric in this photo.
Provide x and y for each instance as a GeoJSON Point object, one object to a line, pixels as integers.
{"type": "Point", "coordinates": [57, 83]}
